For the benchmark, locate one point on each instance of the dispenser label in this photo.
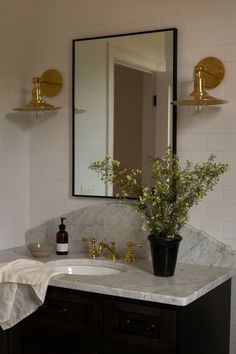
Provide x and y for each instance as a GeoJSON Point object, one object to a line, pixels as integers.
{"type": "Point", "coordinates": [62, 247]}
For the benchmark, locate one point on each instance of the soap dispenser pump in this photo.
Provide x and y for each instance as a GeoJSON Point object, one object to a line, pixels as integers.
{"type": "Point", "coordinates": [62, 239]}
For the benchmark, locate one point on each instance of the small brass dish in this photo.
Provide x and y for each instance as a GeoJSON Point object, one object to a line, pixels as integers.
{"type": "Point", "coordinates": [40, 249]}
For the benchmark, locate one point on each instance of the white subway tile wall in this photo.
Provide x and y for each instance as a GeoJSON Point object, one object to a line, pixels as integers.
{"type": "Point", "coordinates": [14, 133]}
{"type": "Point", "coordinates": [35, 157]}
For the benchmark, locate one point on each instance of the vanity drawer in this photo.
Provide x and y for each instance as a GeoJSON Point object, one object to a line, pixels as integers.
{"type": "Point", "coordinates": [69, 310]}
{"type": "Point", "coordinates": [144, 325]}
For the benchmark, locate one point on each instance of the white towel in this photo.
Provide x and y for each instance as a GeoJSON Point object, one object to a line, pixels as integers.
{"type": "Point", "coordinates": [23, 286]}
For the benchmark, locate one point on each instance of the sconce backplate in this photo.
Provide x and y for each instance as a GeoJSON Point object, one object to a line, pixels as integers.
{"type": "Point", "coordinates": [213, 71]}
{"type": "Point", "coordinates": [51, 83]}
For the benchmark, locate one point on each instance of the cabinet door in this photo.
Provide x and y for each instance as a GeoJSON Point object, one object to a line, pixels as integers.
{"type": "Point", "coordinates": [146, 328]}
{"type": "Point", "coordinates": [67, 323]}
{"type": "Point", "coordinates": [118, 347]}
{"type": "Point", "coordinates": [23, 343]}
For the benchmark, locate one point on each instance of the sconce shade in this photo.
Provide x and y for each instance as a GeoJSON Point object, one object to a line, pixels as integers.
{"type": "Point", "coordinates": [208, 73]}
{"type": "Point", "coordinates": [42, 85]}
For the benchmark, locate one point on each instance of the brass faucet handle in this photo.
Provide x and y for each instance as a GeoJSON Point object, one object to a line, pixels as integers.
{"type": "Point", "coordinates": [133, 244]}
{"type": "Point", "coordinates": [130, 256]}
{"type": "Point", "coordinates": [93, 248]}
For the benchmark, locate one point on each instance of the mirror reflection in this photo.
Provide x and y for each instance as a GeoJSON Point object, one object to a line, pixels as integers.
{"type": "Point", "coordinates": [122, 90]}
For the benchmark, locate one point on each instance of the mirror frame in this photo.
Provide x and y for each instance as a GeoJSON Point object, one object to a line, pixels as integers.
{"type": "Point", "coordinates": [174, 93]}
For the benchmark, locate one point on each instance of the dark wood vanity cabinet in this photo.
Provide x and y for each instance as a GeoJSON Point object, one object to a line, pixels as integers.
{"type": "Point", "coordinates": [74, 322]}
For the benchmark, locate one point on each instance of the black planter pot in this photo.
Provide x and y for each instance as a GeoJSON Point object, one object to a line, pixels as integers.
{"type": "Point", "coordinates": [164, 254]}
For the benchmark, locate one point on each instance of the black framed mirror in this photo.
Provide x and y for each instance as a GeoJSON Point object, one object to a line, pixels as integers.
{"type": "Point", "coordinates": [123, 86]}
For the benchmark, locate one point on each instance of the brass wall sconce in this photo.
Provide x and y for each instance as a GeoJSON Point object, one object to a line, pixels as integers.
{"type": "Point", "coordinates": [49, 84]}
{"type": "Point", "coordinates": [208, 74]}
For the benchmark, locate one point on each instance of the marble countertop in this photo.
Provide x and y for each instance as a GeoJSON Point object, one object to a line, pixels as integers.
{"type": "Point", "coordinates": [137, 282]}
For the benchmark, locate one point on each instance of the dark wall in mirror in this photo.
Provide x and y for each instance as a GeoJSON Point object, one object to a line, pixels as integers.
{"type": "Point", "coordinates": [123, 86]}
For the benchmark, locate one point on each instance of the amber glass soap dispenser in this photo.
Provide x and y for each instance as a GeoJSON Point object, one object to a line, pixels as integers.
{"type": "Point", "coordinates": [62, 239]}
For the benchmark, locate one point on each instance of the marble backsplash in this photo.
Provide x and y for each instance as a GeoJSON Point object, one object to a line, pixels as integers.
{"type": "Point", "coordinates": [120, 223]}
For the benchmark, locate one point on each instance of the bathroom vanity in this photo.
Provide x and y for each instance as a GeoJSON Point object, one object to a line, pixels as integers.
{"type": "Point", "coordinates": [132, 312]}
{"type": "Point", "coordinates": [74, 322]}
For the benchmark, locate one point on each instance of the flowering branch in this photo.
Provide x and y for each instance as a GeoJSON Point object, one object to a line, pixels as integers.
{"type": "Point", "coordinates": [175, 189]}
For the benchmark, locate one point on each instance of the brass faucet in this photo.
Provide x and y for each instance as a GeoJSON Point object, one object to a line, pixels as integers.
{"type": "Point", "coordinates": [130, 256]}
{"type": "Point", "coordinates": [93, 253]}
{"type": "Point", "coordinates": [112, 253]}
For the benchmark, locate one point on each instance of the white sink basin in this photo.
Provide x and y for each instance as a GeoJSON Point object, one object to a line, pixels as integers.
{"type": "Point", "coordinates": [86, 267]}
